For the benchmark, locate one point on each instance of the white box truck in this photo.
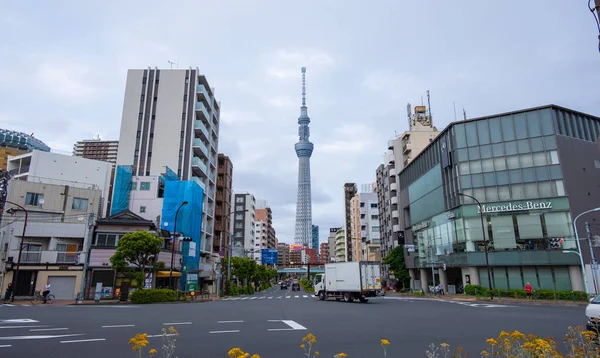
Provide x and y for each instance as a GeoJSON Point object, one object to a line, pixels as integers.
{"type": "Point", "coordinates": [350, 281]}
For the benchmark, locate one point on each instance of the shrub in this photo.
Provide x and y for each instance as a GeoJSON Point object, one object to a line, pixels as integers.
{"type": "Point", "coordinates": [480, 291]}
{"type": "Point", "coordinates": [153, 295]}
{"type": "Point", "coordinates": [250, 290]}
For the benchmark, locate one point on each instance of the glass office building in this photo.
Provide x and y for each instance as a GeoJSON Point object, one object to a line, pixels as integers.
{"type": "Point", "coordinates": [532, 171]}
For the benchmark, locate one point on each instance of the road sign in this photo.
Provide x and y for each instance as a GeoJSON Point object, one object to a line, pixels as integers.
{"type": "Point", "coordinates": [221, 253]}
{"type": "Point", "coordinates": [269, 256]}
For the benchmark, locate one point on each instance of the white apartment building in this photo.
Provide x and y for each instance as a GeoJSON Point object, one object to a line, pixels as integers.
{"type": "Point", "coordinates": [340, 246]}
{"type": "Point", "coordinates": [261, 239]}
{"type": "Point", "coordinates": [170, 120]}
{"type": "Point", "coordinates": [243, 223]}
{"type": "Point", "coordinates": [54, 240]}
{"type": "Point", "coordinates": [401, 151]}
{"type": "Point", "coordinates": [54, 168]}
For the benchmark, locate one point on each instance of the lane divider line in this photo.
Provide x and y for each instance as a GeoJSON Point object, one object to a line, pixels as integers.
{"type": "Point", "coordinates": [230, 322]}
{"type": "Point", "coordinates": [119, 326]}
{"type": "Point", "coordinates": [175, 323]}
{"type": "Point", "coordinates": [84, 340]}
{"type": "Point", "coordinates": [47, 329]}
{"type": "Point", "coordinates": [232, 331]}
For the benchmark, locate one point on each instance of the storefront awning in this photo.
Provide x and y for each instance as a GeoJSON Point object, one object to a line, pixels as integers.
{"type": "Point", "coordinates": [160, 274]}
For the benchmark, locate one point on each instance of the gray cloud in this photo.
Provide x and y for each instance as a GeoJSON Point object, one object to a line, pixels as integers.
{"type": "Point", "coordinates": [62, 75]}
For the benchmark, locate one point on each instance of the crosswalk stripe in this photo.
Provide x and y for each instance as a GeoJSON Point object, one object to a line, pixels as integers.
{"type": "Point", "coordinates": [270, 297]}
{"type": "Point", "coordinates": [296, 296]}
{"type": "Point", "coordinates": [279, 297]}
{"type": "Point", "coordinates": [305, 296]}
{"type": "Point", "coordinates": [288, 296]}
{"type": "Point", "coordinates": [261, 298]}
{"type": "Point", "coordinates": [252, 298]}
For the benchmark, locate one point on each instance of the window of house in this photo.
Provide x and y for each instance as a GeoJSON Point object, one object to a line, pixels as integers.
{"type": "Point", "coordinates": [142, 209]}
{"type": "Point", "coordinates": [239, 208]}
{"type": "Point", "coordinates": [145, 185]}
{"type": "Point", "coordinates": [133, 185]}
{"type": "Point", "coordinates": [373, 205]}
{"type": "Point", "coordinates": [362, 216]}
{"type": "Point", "coordinates": [374, 217]}
{"type": "Point", "coordinates": [239, 199]}
{"type": "Point", "coordinates": [375, 228]}
{"type": "Point", "coordinates": [362, 205]}
{"type": "Point", "coordinates": [109, 240]}
{"type": "Point", "coordinates": [34, 199]}
{"type": "Point", "coordinates": [80, 204]}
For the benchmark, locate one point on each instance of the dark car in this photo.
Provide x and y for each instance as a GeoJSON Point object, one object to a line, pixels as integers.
{"type": "Point", "coordinates": [284, 286]}
{"type": "Point", "coordinates": [295, 286]}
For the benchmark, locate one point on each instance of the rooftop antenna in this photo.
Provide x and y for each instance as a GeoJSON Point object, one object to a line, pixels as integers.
{"type": "Point", "coordinates": [429, 106]}
{"type": "Point", "coordinates": [171, 63]}
{"type": "Point", "coordinates": [408, 110]}
{"type": "Point", "coordinates": [454, 104]}
{"type": "Point", "coordinates": [464, 114]}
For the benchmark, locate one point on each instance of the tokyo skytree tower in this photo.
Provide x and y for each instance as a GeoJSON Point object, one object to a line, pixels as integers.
{"type": "Point", "coordinates": [304, 149]}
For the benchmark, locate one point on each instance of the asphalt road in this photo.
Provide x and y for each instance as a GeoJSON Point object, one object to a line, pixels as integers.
{"type": "Point", "coordinates": [272, 324]}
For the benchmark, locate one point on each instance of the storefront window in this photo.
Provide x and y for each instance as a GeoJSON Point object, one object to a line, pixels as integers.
{"type": "Point", "coordinates": [503, 232]}
{"type": "Point", "coordinates": [530, 226]}
{"type": "Point", "coordinates": [558, 224]}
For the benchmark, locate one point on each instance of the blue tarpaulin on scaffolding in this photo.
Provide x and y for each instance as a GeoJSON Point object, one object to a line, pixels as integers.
{"type": "Point", "coordinates": [122, 187]}
{"type": "Point", "coordinates": [189, 220]}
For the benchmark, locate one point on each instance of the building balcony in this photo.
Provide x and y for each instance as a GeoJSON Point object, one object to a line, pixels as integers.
{"type": "Point", "coordinates": [395, 214]}
{"type": "Point", "coordinates": [396, 228]}
{"type": "Point", "coordinates": [394, 200]}
{"type": "Point", "coordinates": [45, 257]}
{"type": "Point", "coordinates": [201, 90]}
{"type": "Point", "coordinates": [199, 168]}
{"type": "Point", "coordinates": [199, 182]}
{"type": "Point", "coordinates": [200, 127]}
{"type": "Point", "coordinates": [390, 159]}
{"type": "Point", "coordinates": [200, 148]}
{"type": "Point", "coordinates": [201, 109]}
{"type": "Point", "coordinates": [406, 148]}
{"type": "Point", "coordinates": [390, 144]}
{"type": "Point", "coordinates": [393, 186]}
{"type": "Point", "coordinates": [392, 172]}
{"type": "Point", "coordinates": [100, 257]}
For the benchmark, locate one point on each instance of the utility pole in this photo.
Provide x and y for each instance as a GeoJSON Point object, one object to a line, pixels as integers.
{"type": "Point", "coordinates": [431, 249]}
{"type": "Point", "coordinates": [220, 274]}
{"type": "Point", "coordinates": [593, 258]}
{"type": "Point", "coordinates": [86, 255]}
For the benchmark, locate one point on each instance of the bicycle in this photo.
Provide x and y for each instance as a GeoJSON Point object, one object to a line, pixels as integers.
{"type": "Point", "coordinates": [38, 297]}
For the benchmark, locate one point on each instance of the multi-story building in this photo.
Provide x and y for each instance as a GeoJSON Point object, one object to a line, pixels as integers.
{"type": "Point", "coordinates": [349, 191]}
{"type": "Point", "coordinates": [58, 218]}
{"type": "Point", "coordinates": [401, 151]}
{"type": "Point", "coordinates": [296, 254]}
{"type": "Point", "coordinates": [309, 255]}
{"type": "Point", "coordinates": [331, 243]}
{"type": "Point", "coordinates": [264, 214]}
{"type": "Point", "coordinates": [324, 252]}
{"type": "Point", "coordinates": [151, 144]}
{"type": "Point", "coordinates": [223, 204]}
{"type": "Point", "coordinates": [283, 254]}
{"type": "Point", "coordinates": [365, 216]}
{"type": "Point", "coordinates": [15, 143]}
{"type": "Point", "coordinates": [261, 234]}
{"type": "Point", "coordinates": [341, 252]}
{"type": "Point", "coordinates": [244, 208]}
{"type": "Point", "coordinates": [54, 168]}
{"type": "Point", "coordinates": [97, 149]}
{"type": "Point", "coordinates": [531, 172]}
{"type": "Point", "coordinates": [315, 238]}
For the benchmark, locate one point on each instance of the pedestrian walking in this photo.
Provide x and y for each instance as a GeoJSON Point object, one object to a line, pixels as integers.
{"type": "Point", "coordinates": [8, 294]}
{"type": "Point", "coordinates": [529, 291]}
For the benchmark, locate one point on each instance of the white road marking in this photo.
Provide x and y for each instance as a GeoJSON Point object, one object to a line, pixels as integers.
{"type": "Point", "coordinates": [295, 326]}
{"type": "Point", "coordinates": [161, 335]}
{"type": "Point", "coordinates": [279, 297]}
{"type": "Point", "coordinates": [252, 298]}
{"type": "Point", "coordinates": [175, 323]}
{"type": "Point", "coordinates": [5, 327]}
{"type": "Point", "coordinates": [261, 298]}
{"type": "Point", "coordinates": [5, 346]}
{"type": "Point", "coordinates": [20, 320]}
{"type": "Point", "coordinates": [37, 337]}
{"type": "Point", "coordinates": [244, 298]}
{"type": "Point", "coordinates": [85, 340]}
{"type": "Point", "coordinates": [296, 296]}
{"type": "Point", "coordinates": [305, 296]}
{"type": "Point", "coordinates": [230, 321]}
{"type": "Point", "coordinates": [119, 326]}
{"type": "Point", "coordinates": [8, 305]}
{"type": "Point", "coordinates": [47, 329]}
{"type": "Point", "coordinates": [270, 297]}
{"type": "Point", "coordinates": [288, 296]}
{"type": "Point", "coordinates": [232, 331]}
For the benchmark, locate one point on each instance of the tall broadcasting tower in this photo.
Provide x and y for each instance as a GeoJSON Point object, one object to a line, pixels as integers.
{"type": "Point", "coordinates": [304, 149]}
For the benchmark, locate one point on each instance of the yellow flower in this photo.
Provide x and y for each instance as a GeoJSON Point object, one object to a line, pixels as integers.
{"type": "Point", "coordinates": [255, 356]}
{"type": "Point", "coordinates": [302, 346]}
{"type": "Point", "coordinates": [235, 353]}
{"type": "Point", "coordinates": [317, 353]}
{"type": "Point", "coordinates": [139, 341]}
{"type": "Point", "coordinates": [445, 345]}
{"type": "Point", "coordinates": [152, 352]}
{"type": "Point", "coordinates": [385, 342]}
{"type": "Point", "coordinates": [491, 341]}
{"type": "Point", "coordinates": [485, 353]}
{"type": "Point", "coordinates": [341, 355]}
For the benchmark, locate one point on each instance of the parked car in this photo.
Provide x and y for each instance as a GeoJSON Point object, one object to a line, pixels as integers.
{"type": "Point", "coordinates": [284, 286]}
{"type": "Point", "coordinates": [295, 286]}
{"type": "Point", "coordinates": [592, 311]}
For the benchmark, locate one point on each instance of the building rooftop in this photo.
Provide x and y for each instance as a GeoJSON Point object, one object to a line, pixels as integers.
{"type": "Point", "coordinates": [20, 140]}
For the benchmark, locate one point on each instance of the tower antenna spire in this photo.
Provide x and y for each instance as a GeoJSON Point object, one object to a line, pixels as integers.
{"type": "Point", "coordinates": [303, 86]}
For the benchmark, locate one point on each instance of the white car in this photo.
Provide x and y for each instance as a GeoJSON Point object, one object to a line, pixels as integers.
{"type": "Point", "coordinates": [592, 311]}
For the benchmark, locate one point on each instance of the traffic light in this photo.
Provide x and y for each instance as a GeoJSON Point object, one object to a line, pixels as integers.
{"type": "Point", "coordinates": [186, 239]}
{"type": "Point", "coordinates": [556, 243]}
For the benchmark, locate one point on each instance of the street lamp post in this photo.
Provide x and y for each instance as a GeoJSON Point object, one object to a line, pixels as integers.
{"type": "Point", "coordinates": [229, 246]}
{"type": "Point", "coordinates": [16, 274]}
{"type": "Point", "coordinates": [485, 242]}
{"type": "Point", "coordinates": [173, 244]}
{"type": "Point", "coordinates": [579, 247]}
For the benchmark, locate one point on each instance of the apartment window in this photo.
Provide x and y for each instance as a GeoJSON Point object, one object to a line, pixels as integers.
{"type": "Point", "coordinates": [143, 97]}
{"type": "Point", "coordinates": [149, 154]}
{"type": "Point", "coordinates": [34, 199]}
{"type": "Point", "coordinates": [362, 216]}
{"type": "Point", "coordinates": [362, 205]}
{"type": "Point", "coordinates": [133, 185]}
{"type": "Point", "coordinates": [373, 205]}
{"type": "Point", "coordinates": [239, 199]}
{"type": "Point", "coordinates": [137, 153]}
{"type": "Point", "coordinates": [375, 229]}
{"type": "Point", "coordinates": [239, 216]}
{"type": "Point", "coordinates": [145, 185]}
{"type": "Point", "coordinates": [374, 217]}
{"type": "Point", "coordinates": [80, 204]}
{"type": "Point", "coordinates": [239, 208]}
{"type": "Point", "coordinates": [109, 240]}
{"type": "Point", "coordinates": [142, 209]}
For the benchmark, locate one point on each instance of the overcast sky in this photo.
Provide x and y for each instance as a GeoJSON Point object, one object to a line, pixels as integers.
{"type": "Point", "coordinates": [63, 66]}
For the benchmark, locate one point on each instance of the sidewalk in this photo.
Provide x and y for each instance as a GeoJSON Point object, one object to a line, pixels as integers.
{"type": "Point", "coordinates": [460, 297]}
{"type": "Point", "coordinates": [211, 297]}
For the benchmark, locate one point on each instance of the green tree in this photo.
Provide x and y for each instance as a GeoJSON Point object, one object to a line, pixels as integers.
{"type": "Point", "coordinates": [243, 268]}
{"type": "Point", "coordinates": [395, 260]}
{"type": "Point", "coordinates": [139, 249]}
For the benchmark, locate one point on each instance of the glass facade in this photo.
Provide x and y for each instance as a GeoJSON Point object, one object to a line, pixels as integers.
{"type": "Point", "coordinates": [511, 164]}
